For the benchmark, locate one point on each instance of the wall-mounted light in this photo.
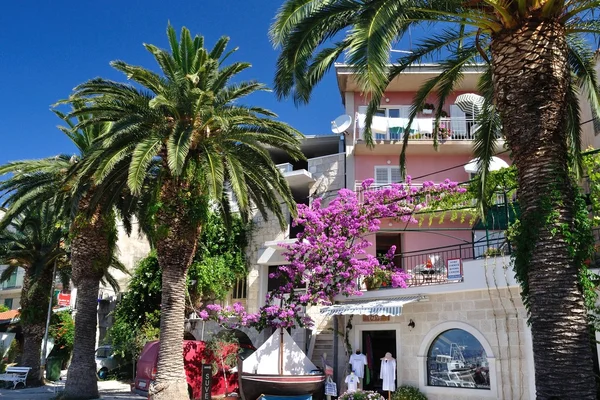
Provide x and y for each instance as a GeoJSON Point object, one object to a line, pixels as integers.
{"type": "Point", "coordinates": [387, 100]}
{"type": "Point", "coordinates": [411, 323]}
{"type": "Point", "coordinates": [388, 161]}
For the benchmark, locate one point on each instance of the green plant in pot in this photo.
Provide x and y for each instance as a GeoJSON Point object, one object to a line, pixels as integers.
{"type": "Point", "coordinates": [444, 133]}
{"type": "Point", "coordinates": [380, 278]}
{"type": "Point", "coordinates": [406, 392]}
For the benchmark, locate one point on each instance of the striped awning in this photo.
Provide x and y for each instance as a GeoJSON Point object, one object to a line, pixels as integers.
{"type": "Point", "coordinates": [470, 103]}
{"type": "Point", "coordinates": [390, 306]}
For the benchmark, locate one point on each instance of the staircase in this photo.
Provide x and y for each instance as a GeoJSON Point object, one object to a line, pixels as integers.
{"type": "Point", "coordinates": [323, 343]}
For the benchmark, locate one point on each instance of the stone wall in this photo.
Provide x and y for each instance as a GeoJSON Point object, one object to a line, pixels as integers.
{"type": "Point", "coordinates": [497, 315]}
{"type": "Point", "coordinates": [329, 174]}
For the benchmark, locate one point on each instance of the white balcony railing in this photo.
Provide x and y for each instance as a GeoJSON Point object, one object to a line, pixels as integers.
{"type": "Point", "coordinates": [392, 129]}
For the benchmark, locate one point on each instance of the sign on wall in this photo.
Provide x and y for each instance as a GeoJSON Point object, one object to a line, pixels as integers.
{"type": "Point", "coordinates": [375, 318]}
{"type": "Point", "coordinates": [455, 271]}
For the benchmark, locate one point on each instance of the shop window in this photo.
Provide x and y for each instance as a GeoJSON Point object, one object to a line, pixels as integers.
{"type": "Point", "coordinates": [457, 359]}
{"type": "Point", "coordinates": [8, 303]}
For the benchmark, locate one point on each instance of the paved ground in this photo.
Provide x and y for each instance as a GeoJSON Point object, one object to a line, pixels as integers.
{"type": "Point", "coordinates": [109, 390]}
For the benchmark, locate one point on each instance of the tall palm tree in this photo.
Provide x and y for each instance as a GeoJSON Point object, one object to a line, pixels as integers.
{"type": "Point", "coordinates": [189, 120]}
{"type": "Point", "coordinates": [33, 241]}
{"type": "Point", "coordinates": [93, 235]}
{"type": "Point", "coordinates": [534, 64]}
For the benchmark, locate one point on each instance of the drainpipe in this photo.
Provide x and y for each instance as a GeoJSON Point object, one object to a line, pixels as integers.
{"type": "Point", "coordinates": [342, 149]}
{"type": "Point", "coordinates": [335, 348]}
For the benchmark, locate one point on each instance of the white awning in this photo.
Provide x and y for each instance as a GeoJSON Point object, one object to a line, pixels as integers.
{"type": "Point", "coordinates": [391, 306]}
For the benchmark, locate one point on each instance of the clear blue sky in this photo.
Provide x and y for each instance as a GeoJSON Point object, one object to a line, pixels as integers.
{"type": "Point", "coordinates": [48, 47]}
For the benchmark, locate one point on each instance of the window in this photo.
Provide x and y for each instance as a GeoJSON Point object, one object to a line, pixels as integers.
{"type": "Point", "coordinates": [8, 303]}
{"type": "Point", "coordinates": [10, 282]}
{"type": "Point", "coordinates": [457, 359]}
{"type": "Point", "coordinates": [387, 175]}
{"type": "Point", "coordinates": [239, 289]}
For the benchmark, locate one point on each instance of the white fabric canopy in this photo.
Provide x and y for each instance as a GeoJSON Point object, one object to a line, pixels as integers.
{"type": "Point", "coordinates": [496, 164]}
{"type": "Point", "coordinates": [391, 307]}
{"type": "Point", "coordinates": [470, 103]}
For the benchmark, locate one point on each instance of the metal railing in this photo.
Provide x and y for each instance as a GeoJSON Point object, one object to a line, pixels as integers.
{"type": "Point", "coordinates": [428, 266]}
{"type": "Point", "coordinates": [392, 129]}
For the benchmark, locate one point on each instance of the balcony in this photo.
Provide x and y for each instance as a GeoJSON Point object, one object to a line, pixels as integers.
{"type": "Point", "coordinates": [392, 129]}
{"type": "Point", "coordinates": [429, 267]}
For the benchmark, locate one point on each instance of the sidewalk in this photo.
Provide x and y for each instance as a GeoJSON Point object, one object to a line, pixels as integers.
{"type": "Point", "coordinates": [109, 390]}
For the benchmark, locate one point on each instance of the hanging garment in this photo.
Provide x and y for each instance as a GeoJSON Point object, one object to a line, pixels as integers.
{"type": "Point", "coordinates": [358, 362]}
{"type": "Point", "coordinates": [388, 374]}
{"type": "Point", "coordinates": [352, 382]}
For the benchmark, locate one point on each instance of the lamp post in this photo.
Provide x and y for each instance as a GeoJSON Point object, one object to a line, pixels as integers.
{"type": "Point", "coordinates": [45, 347]}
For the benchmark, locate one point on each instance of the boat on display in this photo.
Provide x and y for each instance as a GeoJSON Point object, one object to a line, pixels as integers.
{"type": "Point", "coordinates": [279, 367]}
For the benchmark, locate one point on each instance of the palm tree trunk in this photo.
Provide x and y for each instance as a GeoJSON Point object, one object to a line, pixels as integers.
{"type": "Point", "coordinates": [531, 78]}
{"type": "Point", "coordinates": [90, 254]}
{"type": "Point", "coordinates": [34, 306]}
{"type": "Point", "coordinates": [175, 251]}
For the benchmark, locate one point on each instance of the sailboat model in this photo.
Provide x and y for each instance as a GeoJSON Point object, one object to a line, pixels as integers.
{"type": "Point", "coordinates": [279, 367]}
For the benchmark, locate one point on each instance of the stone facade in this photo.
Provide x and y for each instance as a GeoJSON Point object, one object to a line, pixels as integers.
{"type": "Point", "coordinates": [329, 174]}
{"type": "Point", "coordinates": [496, 317]}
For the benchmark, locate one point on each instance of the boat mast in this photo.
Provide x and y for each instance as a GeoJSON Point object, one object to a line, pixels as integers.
{"type": "Point", "coordinates": [280, 351]}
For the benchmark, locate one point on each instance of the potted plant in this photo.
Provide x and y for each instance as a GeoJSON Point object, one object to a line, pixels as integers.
{"type": "Point", "coordinates": [380, 278]}
{"type": "Point", "coordinates": [361, 395]}
{"type": "Point", "coordinates": [444, 133]}
{"type": "Point", "coordinates": [406, 392]}
{"type": "Point", "coordinates": [427, 108]}
{"type": "Point", "coordinates": [223, 357]}
{"type": "Point", "coordinates": [444, 114]}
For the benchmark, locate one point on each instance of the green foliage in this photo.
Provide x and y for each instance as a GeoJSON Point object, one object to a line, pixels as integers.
{"type": "Point", "coordinates": [591, 169]}
{"type": "Point", "coordinates": [406, 392]}
{"type": "Point", "coordinates": [62, 330]}
{"type": "Point", "coordinates": [4, 308]}
{"type": "Point", "coordinates": [219, 261]}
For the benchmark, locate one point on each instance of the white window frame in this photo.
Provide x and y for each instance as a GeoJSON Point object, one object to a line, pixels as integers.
{"type": "Point", "coordinates": [389, 174]}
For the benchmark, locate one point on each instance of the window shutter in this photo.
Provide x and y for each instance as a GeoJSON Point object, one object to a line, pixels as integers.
{"type": "Point", "coordinates": [396, 177]}
{"type": "Point", "coordinates": [381, 176]}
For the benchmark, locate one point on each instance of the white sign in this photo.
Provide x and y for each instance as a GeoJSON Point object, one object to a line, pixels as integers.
{"type": "Point", "coordinates": [454, 269]}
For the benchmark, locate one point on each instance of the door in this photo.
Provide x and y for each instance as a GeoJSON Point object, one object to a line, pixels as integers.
{"type": "Point", "coordinates": [375, 344]}
{"type": "Point", "coordinates": [458, 122]}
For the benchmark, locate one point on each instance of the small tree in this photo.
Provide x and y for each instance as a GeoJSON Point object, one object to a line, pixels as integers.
{"type": "Point", "coordinates": [329, 256]}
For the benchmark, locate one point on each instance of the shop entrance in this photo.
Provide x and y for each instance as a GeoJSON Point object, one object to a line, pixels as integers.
{"type": "Point", "coordinates": [374, 345]}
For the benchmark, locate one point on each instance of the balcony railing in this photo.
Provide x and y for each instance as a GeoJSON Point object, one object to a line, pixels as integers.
{"type": "Point", "coordinates": [429, 266]}
{"type": "Point", "coordinates": [392, 129]}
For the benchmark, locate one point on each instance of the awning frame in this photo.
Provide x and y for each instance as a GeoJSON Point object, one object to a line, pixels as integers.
{"type": "Point", "coordinates": [384, 307]}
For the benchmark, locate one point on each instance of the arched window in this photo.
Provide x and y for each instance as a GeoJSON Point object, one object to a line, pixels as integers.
{"type": "Point", "coordinates": [457, 359]}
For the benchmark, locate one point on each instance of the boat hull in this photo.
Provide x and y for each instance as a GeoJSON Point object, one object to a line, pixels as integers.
{"type": "Point", "coordinates": [254, 385]}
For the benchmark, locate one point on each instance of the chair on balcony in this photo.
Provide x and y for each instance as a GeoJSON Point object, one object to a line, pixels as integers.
{"type": "Point", "coordinates": [433, 270]}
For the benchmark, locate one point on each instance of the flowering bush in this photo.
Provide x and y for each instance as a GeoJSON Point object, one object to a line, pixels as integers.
{"type": "Point", "coordinates": [361, 395]}
{"type": "Point", "coordinates": [329, 256]}
{"type": "Point", "coordinates": [406, 392]}
{"type": "Point", "coordinates": [444, 133]}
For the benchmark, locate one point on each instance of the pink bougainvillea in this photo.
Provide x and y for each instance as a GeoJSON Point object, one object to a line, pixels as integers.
{"type": "Point", "coordinates": [329, 256]}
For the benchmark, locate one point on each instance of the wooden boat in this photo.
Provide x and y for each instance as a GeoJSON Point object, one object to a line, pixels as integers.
{"type": "Point", "coordinates": [279, 367]}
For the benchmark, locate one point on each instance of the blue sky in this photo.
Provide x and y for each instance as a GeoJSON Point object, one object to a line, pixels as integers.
{"type": "Point", "coordinates": [48, 47]}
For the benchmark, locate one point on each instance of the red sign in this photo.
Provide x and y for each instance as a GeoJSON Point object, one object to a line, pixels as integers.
{"type": "Point", "coordinates": [64, 299]}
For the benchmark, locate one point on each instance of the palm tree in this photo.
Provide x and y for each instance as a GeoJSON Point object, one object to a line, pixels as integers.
{"type": "Point", "coordinates": [33, 241]}
{"type": "Point", "coordinates": [189, 120]}
{"type": "Point", "coordinates": [92, 231]}
{"type": "Point", "coordinates": [534, 64]}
